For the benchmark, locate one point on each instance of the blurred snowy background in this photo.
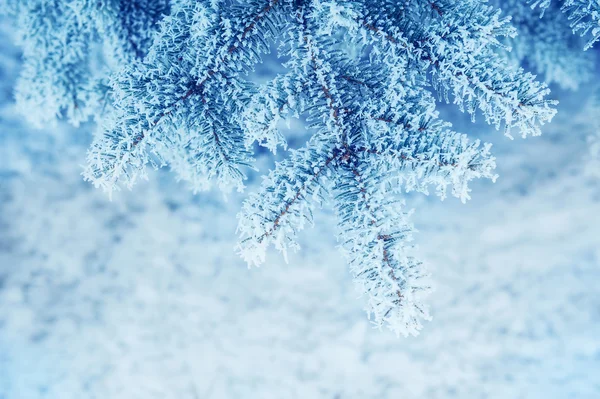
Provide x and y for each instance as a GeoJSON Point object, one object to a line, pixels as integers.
{"type": "Point", "coordinates": [143, 297]}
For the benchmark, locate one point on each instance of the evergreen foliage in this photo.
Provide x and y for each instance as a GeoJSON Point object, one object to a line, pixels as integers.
{"type": "Point", "coordinates": [545, 43]}
{"type": "Point", "coordinates": [70, 45]}
{"type": "Point", "coordinates": [360, 73]}
{"type": "Point", "coordinates": [363, 74]}
{"type": "Point", "coordinates": [584, 16]}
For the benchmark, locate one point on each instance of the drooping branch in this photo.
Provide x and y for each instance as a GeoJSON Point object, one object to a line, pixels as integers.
{"type": "Point", "coordinates": [512, 98]}
{"type": "Point", "coordinates": [373, 234]}
{"type": "Point", "coordinates": [184, 117]}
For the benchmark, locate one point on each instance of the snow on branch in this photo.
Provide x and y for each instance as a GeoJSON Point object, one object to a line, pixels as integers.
{"type": "Point", "coordinates": [374, 233]}
{"type": "Point", "coordinates": [63, 44]}
{"type": "Point", "coordinates": [190, 104]}
{"type": "Point", "coordinates": [360, 73]}
{"type": "Point", "coordinates": [584, 16]}
{"type": "Point", "coordinates": [377, 134]}
{"type": "Point", "coordinates": [455, 42]}
{"type": "Point", "coordinates": [545, 43]}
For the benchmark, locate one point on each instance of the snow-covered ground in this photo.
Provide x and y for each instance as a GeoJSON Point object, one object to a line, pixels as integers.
{"type": "Point", "coordinates": [144, 297]}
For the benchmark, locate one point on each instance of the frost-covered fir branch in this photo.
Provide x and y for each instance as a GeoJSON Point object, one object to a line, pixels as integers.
{"type": "Point", "coordinates": [358, 72]}
{"type": "Point", "coordinates": [584, 16]}
{"type": "Point", "coordinates": [70, 46]}
{"type": "Point", "coordinates": [185, 100]}
{"type": "Point", "coordinates": [545, 43]}
{"type": "Point", "coordinates": [375, 236]}
{"type": "Point", "coordinates": [361, 73]}
{"type": "Point", "coordinates": [454, 43]}
{"type": "Point", "coordinates": [376, 133]}
{"type": "Point", "coordinates": [192, 76]}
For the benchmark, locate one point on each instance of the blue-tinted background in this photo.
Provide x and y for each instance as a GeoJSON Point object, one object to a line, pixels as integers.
{"type": "Point", "coordinates": [143, 297]}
